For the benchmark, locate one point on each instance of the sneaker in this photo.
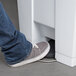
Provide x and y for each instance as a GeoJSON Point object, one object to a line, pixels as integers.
{"type": "Point", "coordinates": [39, 51]}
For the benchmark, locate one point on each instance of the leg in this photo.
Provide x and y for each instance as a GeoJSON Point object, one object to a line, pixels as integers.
{"type": "Point", "coordinates": [16, 49]}
{"type": "Point", "coordinates": [14, 44]}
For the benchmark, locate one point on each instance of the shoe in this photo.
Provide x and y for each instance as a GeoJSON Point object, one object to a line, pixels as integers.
{"type": "Point", "coordinates": [39, 51]}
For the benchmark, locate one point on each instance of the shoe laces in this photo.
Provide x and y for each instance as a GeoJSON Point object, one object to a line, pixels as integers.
{"type": "Point", "coordinates": [35, 45]}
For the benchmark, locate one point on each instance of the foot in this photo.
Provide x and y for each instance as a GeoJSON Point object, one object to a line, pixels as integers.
{"type": "Point", "coordinates": [39, 51]}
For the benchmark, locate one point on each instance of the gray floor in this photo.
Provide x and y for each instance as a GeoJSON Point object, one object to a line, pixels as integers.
{"type": "Point", "coordinates": [36, 69]}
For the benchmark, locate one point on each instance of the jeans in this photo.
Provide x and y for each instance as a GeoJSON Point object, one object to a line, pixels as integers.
{"type": "Point", "coordinates": [13, 43]}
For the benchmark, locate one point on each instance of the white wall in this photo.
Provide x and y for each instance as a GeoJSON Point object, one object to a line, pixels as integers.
{"type": "Point", "coordinates": [25, 17]}
{"type": "Point", "coordinates": [27, 24]}
{"type": "Point", "coordinates": [66, 31]}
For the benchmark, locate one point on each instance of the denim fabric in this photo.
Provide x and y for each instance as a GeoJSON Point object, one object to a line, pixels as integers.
{"type": "Point", "coordinates": [14, 45]}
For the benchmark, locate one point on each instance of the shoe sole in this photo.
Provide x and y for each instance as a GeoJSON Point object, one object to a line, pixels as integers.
{"type": "Point", "coordinates": [42, 55]}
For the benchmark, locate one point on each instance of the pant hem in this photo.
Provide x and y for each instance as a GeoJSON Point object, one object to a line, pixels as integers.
{"type": "Point", "coordinates": [20, 60]}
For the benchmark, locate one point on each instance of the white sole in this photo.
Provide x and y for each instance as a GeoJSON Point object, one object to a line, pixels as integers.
{"type": "Point", "coordinates": [42, 55]}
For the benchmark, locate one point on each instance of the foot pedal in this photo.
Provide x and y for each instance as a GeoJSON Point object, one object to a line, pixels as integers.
{"type": "Point", "coordinates": [51, 53]}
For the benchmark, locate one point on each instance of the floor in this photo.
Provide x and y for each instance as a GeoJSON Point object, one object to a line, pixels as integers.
{"type": "Point", "coordinates": [36, 69]}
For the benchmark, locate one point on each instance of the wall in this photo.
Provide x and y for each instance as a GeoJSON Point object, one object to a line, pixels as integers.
{"type": "Point", "coordinates": [26, 21]}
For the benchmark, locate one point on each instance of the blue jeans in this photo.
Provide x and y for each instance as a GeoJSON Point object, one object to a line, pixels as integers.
{"type": "Point", "coordinates": [14, 45]}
